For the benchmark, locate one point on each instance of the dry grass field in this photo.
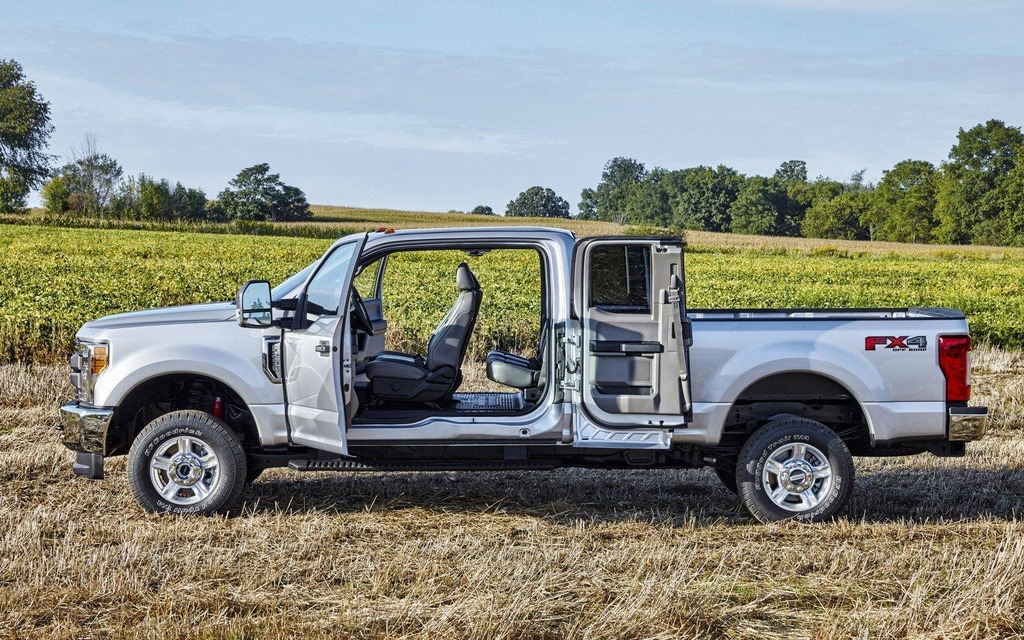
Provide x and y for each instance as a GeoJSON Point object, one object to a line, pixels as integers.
{"type": "Point", "coordinates": [929, 548]}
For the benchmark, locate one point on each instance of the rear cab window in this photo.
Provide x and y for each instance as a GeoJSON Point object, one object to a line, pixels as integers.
{"type": "Point", "coordinates": [620, 279]}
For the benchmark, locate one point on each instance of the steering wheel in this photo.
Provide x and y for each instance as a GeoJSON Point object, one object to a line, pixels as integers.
{"type": "Point", "coordinates": [360, 316]}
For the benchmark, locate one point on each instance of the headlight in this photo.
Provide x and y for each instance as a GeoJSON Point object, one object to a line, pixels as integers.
{"type": "Point", "coordinates": [88, 362]}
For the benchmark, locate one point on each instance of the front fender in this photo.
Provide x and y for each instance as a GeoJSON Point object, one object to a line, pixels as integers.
{"type": "Point", "coordinates": [241, 372]}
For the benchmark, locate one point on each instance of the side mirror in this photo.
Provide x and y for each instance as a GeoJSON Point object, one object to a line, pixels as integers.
{"type": "Point", "coordinates": [254, 304]}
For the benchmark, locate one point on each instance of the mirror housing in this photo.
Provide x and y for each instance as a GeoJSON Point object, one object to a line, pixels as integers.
{"type": "Point", "coordinates": [254, 305]}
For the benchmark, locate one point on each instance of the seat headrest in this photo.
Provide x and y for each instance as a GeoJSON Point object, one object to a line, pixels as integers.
{"type": "Point", "coordinates": [465, 280]}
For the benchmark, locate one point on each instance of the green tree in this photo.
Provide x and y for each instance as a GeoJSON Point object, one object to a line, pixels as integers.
{"type": "Point", "coordinates": [154, 199]}
{"type": "Point", "coordinates": [701, 197]}
{"type": "Point", "coordinates": [903, 207]}
{"type": "Point", "coordinates": [482, 210]}
{"type": "Point", "coordinates": [838, 217]}
{"type": "Point", "coordinates": [257, 194]}
{"type": "Point", "coordinates": [146, 198]}
{"type": "Point", "coordinates": [792, 171]}
{"type": "Point", "coordinates": [538, 202]}
{"type": "Point", "coordinates": [88, 184]}
{"type": "Point", "coordinates": [1013, 201]}
{"type": "Point", "coordinates": [619, 179]}
{"type": "Point", "coordinates": [24, 131]}
{"type": "Point", "coordinates": [56, 196]}
{"type": "Point", "coordinates": [588, 204]}
{"type": "Point", "coordinates": [969, 198]}
{"type": "Point", "coordinates": [823, 189]}
{"type": "Point", "coordinates": [763, 207]}
{"type": "Point", "coordinates": [13, 193]}
{"type": "Point", "coordinates": [188, 203]}
{"type": "Point", "coordinates": [648, 202]}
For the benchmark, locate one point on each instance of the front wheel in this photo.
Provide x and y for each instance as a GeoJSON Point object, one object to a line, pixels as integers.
{"type": "Point", "coordinates": [187, 462]}
{"type": "Point", "coordinates": [794, 468]}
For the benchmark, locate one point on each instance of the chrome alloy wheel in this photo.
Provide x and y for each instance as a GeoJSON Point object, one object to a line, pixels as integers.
{"type": "Point", "coordinates": [184, 470]}
{"type": "Point", "coordinates": [797, 476]}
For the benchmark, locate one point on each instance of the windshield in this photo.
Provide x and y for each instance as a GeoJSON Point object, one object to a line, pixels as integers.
{"type": "Point", "coordinates": [293, 282]}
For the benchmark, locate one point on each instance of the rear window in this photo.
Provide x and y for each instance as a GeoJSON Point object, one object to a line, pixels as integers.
{"type": "Point", "coordinates": [620, 278]}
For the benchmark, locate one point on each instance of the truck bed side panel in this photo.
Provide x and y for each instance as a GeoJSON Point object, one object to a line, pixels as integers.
{"type": "Point", "coordinates": [901, 389]}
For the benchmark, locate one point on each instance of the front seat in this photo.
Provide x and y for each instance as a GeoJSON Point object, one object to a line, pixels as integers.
{"type": "Point", "coordinates": [414, 378]}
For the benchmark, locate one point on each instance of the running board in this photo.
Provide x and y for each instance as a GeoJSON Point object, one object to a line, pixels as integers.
{"type": "Point", "coordinates": [345, 464]}
{"type": "Point", "coordinates": [589, 435]}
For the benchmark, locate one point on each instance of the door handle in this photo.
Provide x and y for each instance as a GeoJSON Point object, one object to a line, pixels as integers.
{"type": "Point", "coordinates": [324, 348]}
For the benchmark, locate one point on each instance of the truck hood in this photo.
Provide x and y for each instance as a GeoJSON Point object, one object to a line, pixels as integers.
{"type": "Point", "coordinates": [194, 313]}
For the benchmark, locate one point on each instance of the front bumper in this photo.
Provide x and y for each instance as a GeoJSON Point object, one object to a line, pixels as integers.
{"type": "Point", "coordinates": [85, 427]}
{"type": "Point", "coordinates": [967, 423]}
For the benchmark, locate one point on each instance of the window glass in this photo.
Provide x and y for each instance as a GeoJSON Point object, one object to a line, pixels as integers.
{"type": "Point", "coordinates": [620, 278]}
{"type": "Point", "coordinates": [292, 283]}
{"type": "Point", "coordinates": [325, 289]}
{"type": "Point", "coordinates": [366, 281]}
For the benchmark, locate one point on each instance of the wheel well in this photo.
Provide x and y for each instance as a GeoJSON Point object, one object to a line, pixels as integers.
{"type": "Point", "coordinates": [173, 392]}
{"type": "Point", "coordinates": [802, 394]}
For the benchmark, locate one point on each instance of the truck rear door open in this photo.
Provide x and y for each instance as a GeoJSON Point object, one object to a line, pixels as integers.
{"type": "Point", "coordinates": [629, 296]}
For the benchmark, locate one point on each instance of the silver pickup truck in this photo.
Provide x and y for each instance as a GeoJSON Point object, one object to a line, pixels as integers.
{"type": "Point", "coordinates": [777, 402]}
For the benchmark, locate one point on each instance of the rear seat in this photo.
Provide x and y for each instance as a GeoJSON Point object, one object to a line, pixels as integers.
{"type": "Point", "coordinates": [512, 370]}
{"type": "Point", "coordinates": [519, 372]}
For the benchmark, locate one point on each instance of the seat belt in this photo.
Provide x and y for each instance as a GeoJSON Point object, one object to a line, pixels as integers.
{"type": "Point", "coordinates": [682, 341]}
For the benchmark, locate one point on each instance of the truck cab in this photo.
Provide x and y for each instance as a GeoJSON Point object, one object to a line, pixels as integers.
{"type": "Point", "coordinates": [203, 398]}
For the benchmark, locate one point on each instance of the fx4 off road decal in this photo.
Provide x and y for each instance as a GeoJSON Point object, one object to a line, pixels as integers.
{"type": "Point", "coordinates": [896, 343]}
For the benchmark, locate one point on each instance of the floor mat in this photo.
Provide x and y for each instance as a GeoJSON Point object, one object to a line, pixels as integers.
{"type": "Point", "coordinates": [486, 402]}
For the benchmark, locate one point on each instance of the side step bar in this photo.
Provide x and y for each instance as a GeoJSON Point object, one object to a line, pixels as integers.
{"type": "Point", "coordinates": [345, 464]}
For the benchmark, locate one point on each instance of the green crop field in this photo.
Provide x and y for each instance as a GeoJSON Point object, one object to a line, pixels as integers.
{"type": "Point", "coordinates": [54, 279]}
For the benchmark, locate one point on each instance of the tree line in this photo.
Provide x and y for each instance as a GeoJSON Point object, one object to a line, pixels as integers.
{"type": "Point", "coordinates": [975, 196]}
{"type": "Point", "coordinates": [93, 184]}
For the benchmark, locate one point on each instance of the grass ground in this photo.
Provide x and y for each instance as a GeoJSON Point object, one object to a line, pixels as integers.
{"type": "Point", "coordinates": [929, 548]}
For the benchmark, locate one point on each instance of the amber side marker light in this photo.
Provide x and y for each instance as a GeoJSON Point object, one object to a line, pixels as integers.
{"type": "Point", "coordinates": [99, 359]}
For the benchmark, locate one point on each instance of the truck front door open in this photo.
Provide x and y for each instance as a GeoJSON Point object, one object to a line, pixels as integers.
{"type": "Point", "coordinates": [317, 355]}
{"type": "Point", "coordinates": [629, 298]}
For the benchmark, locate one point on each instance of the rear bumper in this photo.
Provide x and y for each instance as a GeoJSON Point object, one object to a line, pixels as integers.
{"type": "Point", "coordinates": [85, 427]}
{"type": "Point", "coordinates": [967, 423]}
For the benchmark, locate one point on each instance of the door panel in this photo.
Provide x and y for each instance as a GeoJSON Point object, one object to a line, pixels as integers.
{"type": "Point", "coordinates": [631, 346]}
{"type": "Point", "coordinates": [318, 357]}
{"type": "Point", "coordinates": [312, 384]}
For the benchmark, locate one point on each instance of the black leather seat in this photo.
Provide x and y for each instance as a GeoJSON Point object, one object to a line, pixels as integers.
{"type": "Point", "coordinates": [414, 378]}
{"type": "Point", "coordinates": [516, 371]}
{"type": "Point", "coordinates": [512, 370]}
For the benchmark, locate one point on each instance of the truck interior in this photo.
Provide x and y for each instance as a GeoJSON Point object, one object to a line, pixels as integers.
{"type": "Point", "coordinates": [443, 375]}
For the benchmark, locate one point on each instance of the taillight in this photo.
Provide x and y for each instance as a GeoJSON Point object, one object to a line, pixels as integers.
{"type": "Point", "coordinates": [955, 362]}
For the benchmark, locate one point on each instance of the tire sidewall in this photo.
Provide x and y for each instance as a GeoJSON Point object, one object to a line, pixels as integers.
{"type": "Point", "coordinates": [215, 434]}
{"type": "Point", "coordinates": [768, 440]}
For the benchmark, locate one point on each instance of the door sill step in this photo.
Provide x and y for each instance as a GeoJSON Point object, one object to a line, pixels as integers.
{"type": "Point", "coordinates": [344, 464]}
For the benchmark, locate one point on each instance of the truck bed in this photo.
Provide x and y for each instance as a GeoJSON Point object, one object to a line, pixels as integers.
{"type": "Point", "coordinates": [936, 313]}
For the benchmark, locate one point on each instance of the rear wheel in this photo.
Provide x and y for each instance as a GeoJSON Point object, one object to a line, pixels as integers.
{"type": "Point", "coordinates": [187, 462]}
{"type": "Point", "coordinates": [795, 469]}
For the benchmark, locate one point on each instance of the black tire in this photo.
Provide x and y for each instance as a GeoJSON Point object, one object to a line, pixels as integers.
{"type": "Point", "coordinates": [204, 436]}
{"type": "Point", "coordinates": [728, 478]}
{"type": "Point", "coordinates": [827, 495]}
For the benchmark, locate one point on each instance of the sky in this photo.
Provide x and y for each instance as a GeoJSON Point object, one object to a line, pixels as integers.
{"type": "Point", "coordinates": [448, 104]}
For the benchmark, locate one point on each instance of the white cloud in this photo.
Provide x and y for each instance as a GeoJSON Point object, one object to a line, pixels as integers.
{"type": "Point", "coordinates": [86, 100]}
